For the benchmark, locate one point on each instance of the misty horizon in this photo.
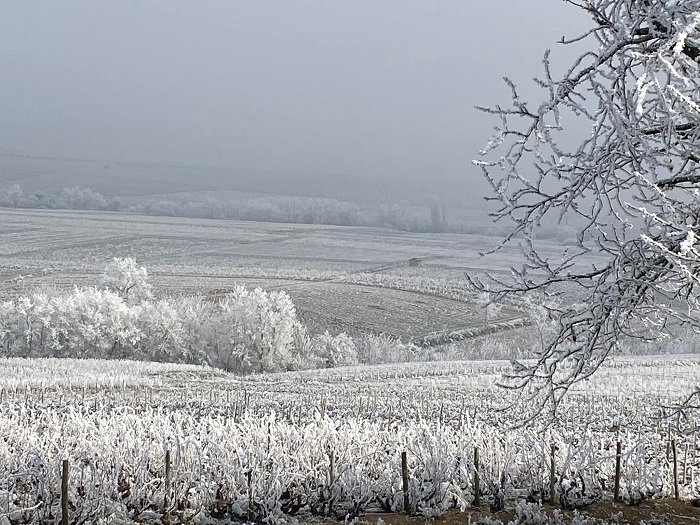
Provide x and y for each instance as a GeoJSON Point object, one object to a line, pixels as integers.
{"type": "Point", "coordinates": [379, 96]}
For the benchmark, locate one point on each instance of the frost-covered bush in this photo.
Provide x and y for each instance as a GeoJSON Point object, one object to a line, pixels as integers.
{"type": "Point", "coordinates": [200, 326]}
{"type": "Point", "coordinates": [304, 353]}
{"type": "Point", "coordinates": [162, 333]}
{"type": "Point", "coordinates": [85, 323]}
{"type": "Point", "coordinates": [334, 351]}
{"type": "Point", "coordinates": [245, 331]}
{"type": "Point", "coordinates": [256, 331]}
{"type": "Point", "coordinates": [375, 349]}
{"type": "Point", "coordinates": [77, 198]}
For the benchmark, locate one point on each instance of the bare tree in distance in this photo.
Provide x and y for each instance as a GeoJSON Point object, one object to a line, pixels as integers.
{"type": "Point", "coordinates": [630, 105]}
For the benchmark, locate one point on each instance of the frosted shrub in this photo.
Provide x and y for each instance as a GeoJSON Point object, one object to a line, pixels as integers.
{"type": "Point", "coordinates": [305, 358]}
{"type": "Point", "coordinates": [375, 349]}
{"type": "Point", "coordinates": [77, 198]}
{"type": "Point", "coordinates": [161, 326]}
{"type": "Point", "coordinates": [86, 323]}
{"type": "Point", "coordinates": [334, 351]}
{"type": "Point", "coordinates": [199, 321]}
{"type": "Point", "coordinates": [258, 328]}
{"type": "Point", "coordinates": [8, 325]}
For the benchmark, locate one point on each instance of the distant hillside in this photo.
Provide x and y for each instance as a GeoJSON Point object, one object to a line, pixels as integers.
{"type": "Point", "coordinates": [134, 179]}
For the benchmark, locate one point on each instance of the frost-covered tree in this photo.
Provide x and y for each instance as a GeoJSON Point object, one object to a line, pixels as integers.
{"type": "Point", "coordinates": [614, 146]}
{"type": "Point", "coordinates": [77, 198]}
{"type": "Point", "coordinates": [14, 197]}
{"type": "Point", "coordinates": [124, 277]}
{"type": "Point", "coordinates": [256, 331]}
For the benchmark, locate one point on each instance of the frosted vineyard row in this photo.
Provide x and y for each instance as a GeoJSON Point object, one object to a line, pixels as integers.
{"type": "Point", "coordinates": [263, 444]}
{"type": "Point", "coordinates": [20, 375]}
{"type": "Point", "coordinates": [457, 289]}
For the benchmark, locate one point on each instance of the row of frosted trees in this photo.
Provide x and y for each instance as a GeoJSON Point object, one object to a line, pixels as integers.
{"type": "Point", "coordinates": [244, 331]}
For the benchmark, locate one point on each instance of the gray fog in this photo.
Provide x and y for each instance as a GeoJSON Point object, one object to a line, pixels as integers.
{"type": "Point", "coordinates": [336, 91]}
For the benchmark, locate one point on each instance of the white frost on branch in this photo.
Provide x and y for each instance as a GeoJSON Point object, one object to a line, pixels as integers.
{"type": "Point", "coordinates": [630, 186]}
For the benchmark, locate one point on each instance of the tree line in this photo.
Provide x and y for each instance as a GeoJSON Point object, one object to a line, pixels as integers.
{"type": "Point", "coordinates": [272, 208]}
{"type": "Point", "coordinates": [244, 331]}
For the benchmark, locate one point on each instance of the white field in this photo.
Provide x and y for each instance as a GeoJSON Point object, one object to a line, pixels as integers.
{"type": "Point", "coordinates": [338, 277]}
{"type": "Point", "coordinates": [115, 420]}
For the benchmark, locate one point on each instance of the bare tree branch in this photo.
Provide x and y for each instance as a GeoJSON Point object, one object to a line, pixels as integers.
{"type": "Point", "coordinates": [628, 180]}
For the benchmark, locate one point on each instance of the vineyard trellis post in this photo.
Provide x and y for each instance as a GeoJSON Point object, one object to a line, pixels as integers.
{"type": "Point", "coordinates": [64, 492]}
{"type": "Point", "coordinates": [686, 470]}
{"type": "Point", "coordinates": [331, 480]}
{"type": "Point", "coordinates": [674, 452]}
{"type": "Point", "coordinates": [618, 455]}
{"type": "Point", "coordinates": [404, 476]}
{"type": "Point", "coordinates": [477, 495]}
{"type": "Point", "coordinates": [166, 498]}
{"type": "Point", "coordinates": [249, 476]}
{"type": "Point", "coordinates": [552, 474]}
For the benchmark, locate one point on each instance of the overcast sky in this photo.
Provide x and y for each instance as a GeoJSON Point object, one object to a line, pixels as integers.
{"type": "Point", "coordinates": [371, 88]}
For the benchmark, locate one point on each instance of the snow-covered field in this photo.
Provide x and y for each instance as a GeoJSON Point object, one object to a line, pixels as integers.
{"type": "Point", "coordinates": [340, 278]}
{"type": "Point", "coordinates": [261, 446]}
{"type": "Point", "coordinates": [301, 445]}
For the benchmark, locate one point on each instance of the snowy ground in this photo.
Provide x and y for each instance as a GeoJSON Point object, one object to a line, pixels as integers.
{"type": "Point", "coordinates": [340, 278]}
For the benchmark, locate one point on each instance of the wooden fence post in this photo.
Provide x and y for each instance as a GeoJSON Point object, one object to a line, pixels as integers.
{"type": "Point", "coordinates": [477, 495]}
{"type": "Point", "coordinates": [404, 475]}
{"type": "Point", "coordinates": [331, 481]}
{"type": "Point", "coordinates": [64, 493]}
{"type": "Point", "coordinates": [249, 475]}
{"type": "Point", "coordinates": [618, 454]}
{"type": "Point", "coordinates": [674, 451]}
{"type": "Point", "coordinates": [166, 498]}
{"type": "Point", "coordinates": [552, 474]}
